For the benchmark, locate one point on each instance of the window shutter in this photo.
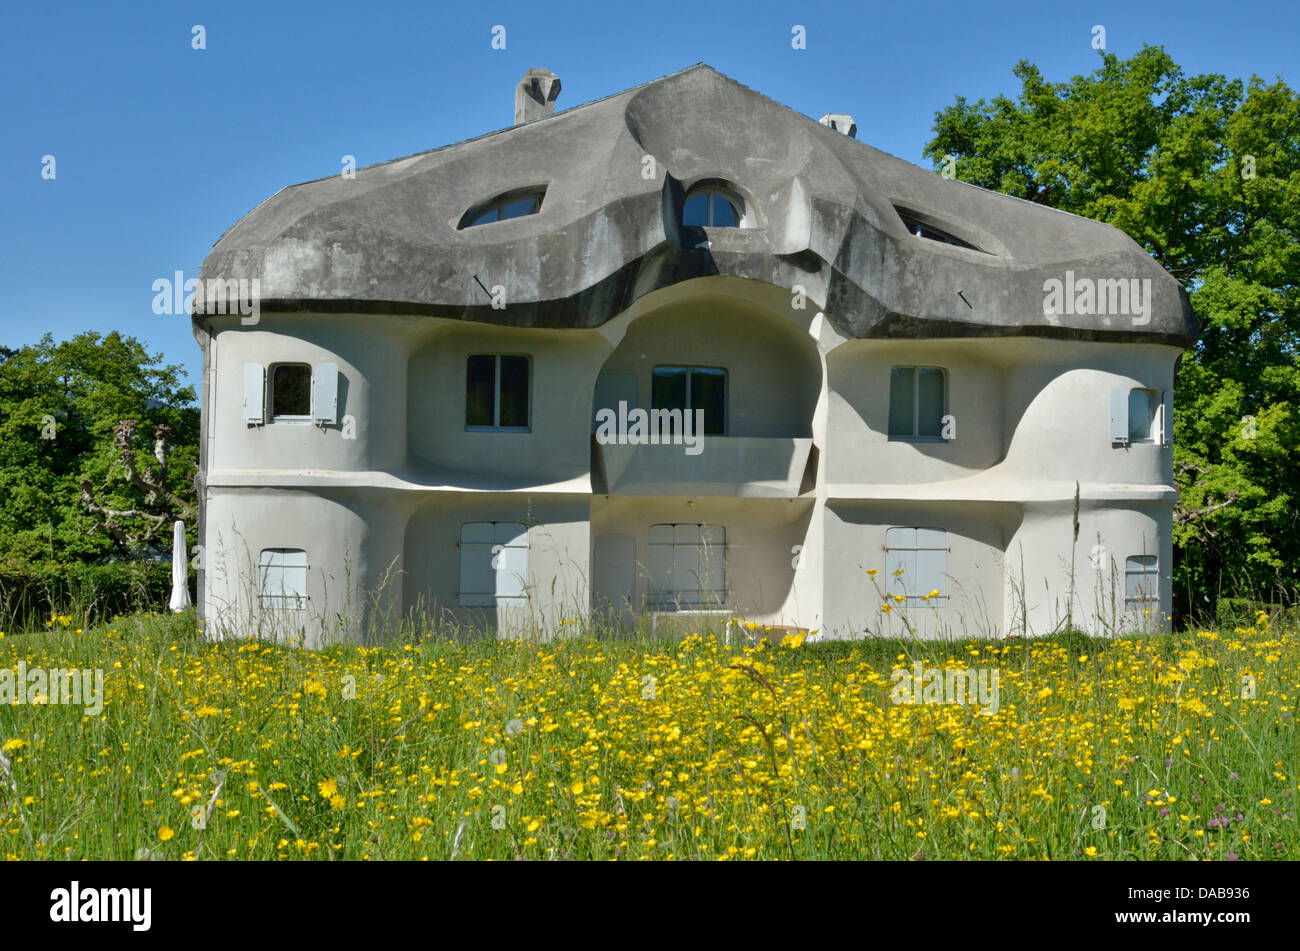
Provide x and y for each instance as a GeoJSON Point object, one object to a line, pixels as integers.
{"type": "Point", "coordinates": [1119, 416]}
{"type": "Point", "coordinates": [477, 583]}
{"type": "Point", "coordinates": [931, 571]}
{"type": "Point", "coordinates": [1167, 418]}
{"type": "Point", "coordinates": [510, 544]}
{"type": "Point", "coordinates": [254, 393]}
{"type": "Point", "coordinates": [325, 394]}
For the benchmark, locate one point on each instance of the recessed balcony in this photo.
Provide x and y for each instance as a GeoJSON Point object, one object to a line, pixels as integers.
{"type": "Point", "coordinates": [742, 466]}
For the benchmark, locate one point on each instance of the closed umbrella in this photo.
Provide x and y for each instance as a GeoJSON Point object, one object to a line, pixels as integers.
{"type": "Point", "coordinates": [180, 573]}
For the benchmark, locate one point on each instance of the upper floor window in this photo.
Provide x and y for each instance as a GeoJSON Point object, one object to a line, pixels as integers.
{"type": "Point", "coordinates": [1140, 416]}
{"type": "Point", "coordinates": [688, 566]}
{"type": "Point", "coordinates": [713, 207]}
{"type": "Point", "coordinates": [496, 392]}
{"type": "Point", "coordinates": [514, 204]}
{"type": "Point", "coordinates": [290, 392]}
{"type": "Point", "coordinates": [283, 577]}
{"type": "Point", "coordinates": [493, 563]}
{"type": "Point", "coordinates": [692, 388]}
{"type": "Point", "coordinates": [918, 397]}
{"type": "Point", "coordinates": [916, 564]}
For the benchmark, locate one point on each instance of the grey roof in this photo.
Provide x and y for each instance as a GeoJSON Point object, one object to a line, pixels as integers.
{"type": "Point", "coordinates": [822, 210]}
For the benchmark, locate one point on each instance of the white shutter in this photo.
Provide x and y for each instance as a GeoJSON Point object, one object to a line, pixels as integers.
{"type": "Point", "coordinates": [510, 552]}
{"type": "Point", "coordinates": [1119, 416]}
{"type": "Point", "coordinates": [477, 581]}
{"type": "Point", "coordinates": [325, 394]}
{"type": "Point", "coordinates": [1167, 418]}
{"type": "Point", "coordinates": [254, 393]}
{"type": "Point", "coordinates": [900, 545]}
{"type": "Point", "coordinates": [931, 571]}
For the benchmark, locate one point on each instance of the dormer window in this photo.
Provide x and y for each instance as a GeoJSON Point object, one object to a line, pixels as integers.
{"type": "Point", "coordinates": [515, 204]}
{"type": "Point", "coordinates": [930, 233]}
{"type": "Point", "coordinates": [712, 207]}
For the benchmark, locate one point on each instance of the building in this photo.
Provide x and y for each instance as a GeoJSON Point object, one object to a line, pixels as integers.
{"type": "Point", "coordinates": [443, 402]}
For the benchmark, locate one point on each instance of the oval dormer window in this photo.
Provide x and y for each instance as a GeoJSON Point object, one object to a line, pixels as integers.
{"type": "Point", "coordinates": [924, 230]}
{"type": "Point", "coordinates": [713, 207]}
{"type": "Point", "coordinates": [515, 204]}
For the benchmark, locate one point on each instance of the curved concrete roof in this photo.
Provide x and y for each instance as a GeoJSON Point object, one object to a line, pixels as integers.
{"type": "Point", "coordinates": [822, 211]}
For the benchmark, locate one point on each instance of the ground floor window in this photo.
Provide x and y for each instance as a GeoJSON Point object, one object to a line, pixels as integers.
{"type": "Point", "coordinates": [1141, 583]}
{"type": "Point", "coordinates": [282, 576]}
{"type": "Point", "coordinates": [493, 563]}
{"type": "Point", "coordinates": [688, 566]}
{"type": "Point", "coordinates": [916, 565]}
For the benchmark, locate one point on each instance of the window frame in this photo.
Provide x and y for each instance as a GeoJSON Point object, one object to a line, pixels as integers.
{"type": "Point", "coordinates": [726, 393]}
{"type": "Point", "coordinates": [916, 404]}
{"type": "Point", "coordinates": [670, 602]}
{"type": "Point", "coordinates": [493, 599]}
{"type": "Point", "coordinates": [281, 601]}
{"type": "Point", "coordinates": [473, 215]}
{"type": "Point", "coordinates": [271, 417]}
{"type": "Point", "coordinates": [710, 192]}
{"type": "Point", "coordinates": [916, 600]}
{"type": "Point", "coordinates": [496, 427]}
{"type": "Point", "coordinates": [1154, 423]}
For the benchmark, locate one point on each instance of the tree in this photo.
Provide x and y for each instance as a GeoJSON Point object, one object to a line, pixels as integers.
{"type": "Point", "coordinates": [1203, 172]}
{"type": "Point", "coordinates": [98, 449]}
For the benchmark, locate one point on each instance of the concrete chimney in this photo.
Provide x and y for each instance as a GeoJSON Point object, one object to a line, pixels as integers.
{"type": "Point", "coordinates": [840, 123]}
{"type": "Point", "coordinates": [535, 95]}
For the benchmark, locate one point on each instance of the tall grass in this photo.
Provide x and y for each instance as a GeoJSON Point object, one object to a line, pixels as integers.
{"type": "Point", "coordinates": [1166, 746]}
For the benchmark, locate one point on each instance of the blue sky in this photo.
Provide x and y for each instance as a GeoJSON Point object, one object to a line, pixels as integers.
{"type": "Point", "coordinates": [159, 147]}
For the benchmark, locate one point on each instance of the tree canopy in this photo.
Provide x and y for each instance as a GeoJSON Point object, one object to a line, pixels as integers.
{"type": "Point", "coordinates": [98, 450]}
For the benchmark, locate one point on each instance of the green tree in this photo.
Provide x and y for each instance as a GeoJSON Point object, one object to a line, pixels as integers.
{"type": "Point", "coordinates": [1204, 172]}
{"type": "Point", "coordinates": [98, 449]}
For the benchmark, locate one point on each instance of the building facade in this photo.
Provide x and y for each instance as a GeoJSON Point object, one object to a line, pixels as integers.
{"type": "Point", "coordinates": [678, 356]}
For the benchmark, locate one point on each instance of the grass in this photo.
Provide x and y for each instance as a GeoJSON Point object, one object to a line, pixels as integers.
{"type": "Point", "coordinates": [591, 748]}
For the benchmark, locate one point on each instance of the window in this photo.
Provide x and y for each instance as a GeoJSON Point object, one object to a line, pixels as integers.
{"type": "Point", "coordinates": [714, 208]}
{"type": "Point", "coordinates": [1141, 583]}
{"type": "Point", "coordinates": [493, 563]}
{"type": "Point", "coordinates": [1140, 416]}
{"type": "Point", "coordinates": [688, 566]}
{"type": "Point", "coordinates": [692, 388]}
{"type": "Point", "coordinates": [510, 205]}
{"type": "Point", "coordinates": [917, 400]}
{"type": "Point", "coordinates": [283, 574]}
{"type": "Point", "coordinates": [496, 392]}
{"type": "Point", "coordinates": [290, 392]}
{"type": "Point", "coordinates": [931, 233]}
{"type": "Point", "coordinates": [916, 564]}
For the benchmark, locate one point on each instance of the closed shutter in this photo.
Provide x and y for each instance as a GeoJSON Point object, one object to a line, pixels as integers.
{"type": "Point", "coordinates": [510, 553]}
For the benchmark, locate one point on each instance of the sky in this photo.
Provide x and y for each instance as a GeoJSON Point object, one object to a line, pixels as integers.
{"type": "Point", "coordinates": [158, 147]}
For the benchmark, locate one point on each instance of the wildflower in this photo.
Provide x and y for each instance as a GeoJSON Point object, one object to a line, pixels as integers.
{"type": "Point", "coordinates": [328, 787]}
{"type": "Point", "coordinates": [165, 833]}
{"type": "Point", "coordinates": [11, 745]}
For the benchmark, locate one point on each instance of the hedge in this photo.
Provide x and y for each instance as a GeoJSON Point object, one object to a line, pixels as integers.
{"type": "Point", "coordinates": [29, 596]}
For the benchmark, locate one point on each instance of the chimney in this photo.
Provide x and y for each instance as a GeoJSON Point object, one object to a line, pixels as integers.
{"type": "Point", "coordinates": [840, 123]}
{"type": "Point", "coordinates": [535, 95]}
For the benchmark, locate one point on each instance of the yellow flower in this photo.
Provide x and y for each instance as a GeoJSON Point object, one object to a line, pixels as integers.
{"type": "Point", "coordinates": [11, 745]}
{"type": "Point", "coordinates": [328, 787]}
{"type": "Point", "coordinates": [1090, 851]}
{"type": "Point", "coordinates": [337, 802]}
{"type": "Point", "coordinates": [165, 833]}
{"type": "Point", "coordinates": [577, 787]}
